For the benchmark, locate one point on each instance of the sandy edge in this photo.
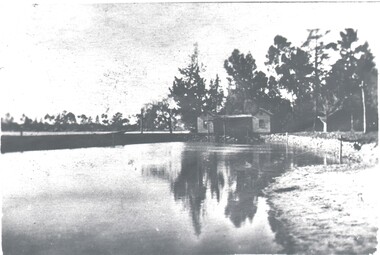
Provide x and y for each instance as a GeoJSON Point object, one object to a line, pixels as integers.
{"type": "Point", "coordinates": [330, 208]}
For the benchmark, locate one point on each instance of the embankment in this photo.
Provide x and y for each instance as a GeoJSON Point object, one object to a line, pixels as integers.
{"type": "Point", "coordinates": [68, 141]}
{"type": "Point", "coordinates": [328, 209]}
{"type": "Point", "coordinates": [367, 153]}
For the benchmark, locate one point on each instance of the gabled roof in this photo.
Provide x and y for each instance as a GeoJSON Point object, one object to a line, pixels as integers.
{"type": "Point", "coordinates": [209, 115]}
{"type": "Point", "coordinates": [266, 111]}
{"type": "Point", "coordinates": [215, 116]}
{"type": "Point", "coordinates": [234, 116]}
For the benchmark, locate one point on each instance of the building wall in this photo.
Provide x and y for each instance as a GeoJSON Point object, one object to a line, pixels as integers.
{"type": "Point", "coordinates": [202, 128]}
{"type": "Point", "coordinates": [238, 127]}
{"type": "Point", "coordinates": [264, 127]}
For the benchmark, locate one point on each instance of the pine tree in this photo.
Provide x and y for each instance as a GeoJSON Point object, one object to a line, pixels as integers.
{"type": "Point", "coordinates": [355, 75]}
{"type": "Point", "coordinates": [215, 96]}
{"type": "Point", "coordinates": [189, 91]}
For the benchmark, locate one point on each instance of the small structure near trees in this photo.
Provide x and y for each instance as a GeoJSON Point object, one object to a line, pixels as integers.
{"type": "Point", "coordinates": [238, 126]}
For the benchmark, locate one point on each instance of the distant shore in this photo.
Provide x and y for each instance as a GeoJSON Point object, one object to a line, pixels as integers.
{"type": "Point", "coordinates": [330, 208]}
{"type": "Point", "coordinates": [17, 143]}
{"type": "Point", "coordinates": [41, 133]}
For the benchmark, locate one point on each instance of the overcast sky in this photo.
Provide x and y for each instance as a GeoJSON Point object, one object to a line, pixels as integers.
{"type": "Point", "coordinates": [87, 58]}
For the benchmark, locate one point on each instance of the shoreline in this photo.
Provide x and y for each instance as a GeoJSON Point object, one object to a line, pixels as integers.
{"type": "Point", "coordinates": [327, 208]}
{"type": "Point", "coordinates": [367, 153]}
{"type": "Point", "coordinates": [317, 209]}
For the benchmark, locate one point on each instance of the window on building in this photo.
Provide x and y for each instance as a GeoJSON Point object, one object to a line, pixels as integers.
{"type": "Point", "coordinates": [262, 124]}
{"type": "Point", "coordinates": [205, 124]}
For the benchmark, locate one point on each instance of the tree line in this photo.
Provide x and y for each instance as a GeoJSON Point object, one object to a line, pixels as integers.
{"type": "Point", "coordinates": [303, 86]}
{"type": "Point", "coordinates": [68, 121]}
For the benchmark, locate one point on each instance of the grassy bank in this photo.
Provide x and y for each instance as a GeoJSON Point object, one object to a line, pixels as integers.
{"type": "Point", "coordinates": [330, 208]}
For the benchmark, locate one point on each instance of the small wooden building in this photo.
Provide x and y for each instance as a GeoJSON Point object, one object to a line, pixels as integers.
{"type": "Point", "coordinates": [238, 125]}
{"type": "Point", "coordinates": [261, 121]}
{"type": "Point", "coordinates": [205, 123]}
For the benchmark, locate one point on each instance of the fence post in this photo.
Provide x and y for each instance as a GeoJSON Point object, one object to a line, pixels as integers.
{"type": "Point", "coordinates": [224, 130]}
{"type": "Point", "coordinates": [208, 128]}
{"type": "Point", "coordinates": [340, 149]}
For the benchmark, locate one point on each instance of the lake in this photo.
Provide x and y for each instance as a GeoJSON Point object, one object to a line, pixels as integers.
{"type": "Point", "coordinates": [163, 198]}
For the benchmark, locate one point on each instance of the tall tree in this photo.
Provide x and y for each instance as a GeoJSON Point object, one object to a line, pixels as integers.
{"type": "Point", "coordinates": [189, 91]}
{"type": "Point", "coordinates": [292, 72]}
{"type": "Point", "coordinates": [291, 67]}
{"type": "Point", "coordinates": [250, 89]}
{"type": "Point", "coordinates": [214, 96]}
{"type": "Point", "coordinates": [367, 75]}
{"type": "Point", "coordinates": [246, 84]}
{"type": "Point", "coordinates": [331, 100]}
{"type": "Point", "coordinates": [323, 100]}
{"type": "Point", "coordinates": [160, 115]}
{"type": "Point", "coordinates": [355, 72]}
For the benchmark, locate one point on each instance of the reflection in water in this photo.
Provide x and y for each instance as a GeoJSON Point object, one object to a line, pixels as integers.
{"type": "Point", "coordinates": [242, 201]}
{"type": "Point", "coordinates": [282, 237]}
{"type": "Point", "coordinates": [198, 173]}
{"type": "Point", "coordinates": [190, 187]}
{"type": "Point", "coordinates": [168, 198]}
{"type": "Point", "coordinates": [238, 172]}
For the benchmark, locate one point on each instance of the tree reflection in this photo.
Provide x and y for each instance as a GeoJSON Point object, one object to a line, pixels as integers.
{"type": "Point", "coordinates": [189, 186]}
{"type": "Point", "coordinates": [214, 178]}
{"type": "Point", "coordinates": [240, 176]}
{"type": "Point", "coordinates": [198, 173]}
{"type": "Point", "coordinates": [242, 202]}
{"type": "Point", "coordinates": [282, 236]}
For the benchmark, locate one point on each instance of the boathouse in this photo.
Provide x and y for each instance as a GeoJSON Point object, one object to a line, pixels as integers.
{"type": "Point", "coordinates": [205, 123]}
{"type": "Point", "coordinates": [237, 125]}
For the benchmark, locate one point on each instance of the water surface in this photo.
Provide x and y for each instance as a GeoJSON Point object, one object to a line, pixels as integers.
{"type": "Point", "coordinates": [165, 198]}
